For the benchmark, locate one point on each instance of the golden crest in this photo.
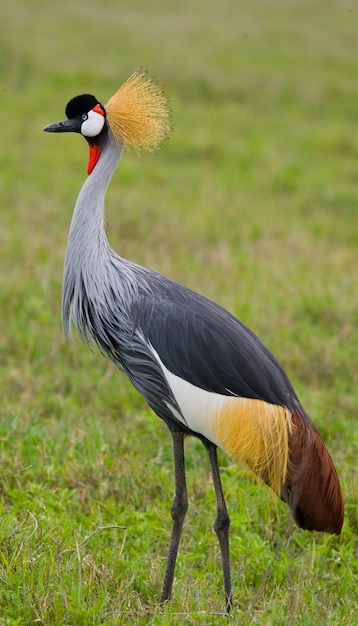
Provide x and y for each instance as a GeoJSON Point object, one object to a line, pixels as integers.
{"type": "Point", "coordinates": [138, 114]}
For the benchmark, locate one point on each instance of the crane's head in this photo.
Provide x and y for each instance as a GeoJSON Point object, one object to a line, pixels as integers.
{"type": "Point", "coordinates": [87, 116]}
{"type": "Point", "coordinates": [137, 115]}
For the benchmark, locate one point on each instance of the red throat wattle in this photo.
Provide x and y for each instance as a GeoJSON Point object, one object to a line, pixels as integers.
{"type": "Point", "coordinates": [94, 153]}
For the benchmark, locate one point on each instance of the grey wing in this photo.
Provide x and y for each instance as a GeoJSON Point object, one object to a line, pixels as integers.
{"type": "Point", "coordinates": [196, 340]}
{"type": "Point", "coordinates": [205, 345]}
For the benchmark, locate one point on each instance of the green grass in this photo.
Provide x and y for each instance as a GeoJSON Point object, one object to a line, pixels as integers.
{"type": "Point", "coordinates": [252, 202]}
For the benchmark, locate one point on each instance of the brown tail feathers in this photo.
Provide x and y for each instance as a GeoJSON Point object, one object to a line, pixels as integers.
{"type": "Point", "coordinates": [312, 488]}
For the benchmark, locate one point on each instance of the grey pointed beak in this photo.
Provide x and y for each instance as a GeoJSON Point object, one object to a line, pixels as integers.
{"type": "Point", "coordinates": [66, 126]}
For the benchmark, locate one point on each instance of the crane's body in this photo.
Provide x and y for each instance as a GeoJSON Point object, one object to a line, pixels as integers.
{"type": "Point", "coordinates": [199, 368]}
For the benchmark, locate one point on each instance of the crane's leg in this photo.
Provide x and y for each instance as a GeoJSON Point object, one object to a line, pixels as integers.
{"type": "Point", "coordinates": [222, 522]}
{"type": "Point", "coordinates": [178, 511]}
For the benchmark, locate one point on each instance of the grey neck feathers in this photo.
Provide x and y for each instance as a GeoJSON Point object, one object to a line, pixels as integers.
{"type": "Point", "coordinates": [87, 232]}
{"type": "Point", "coordinates": [95, 278]}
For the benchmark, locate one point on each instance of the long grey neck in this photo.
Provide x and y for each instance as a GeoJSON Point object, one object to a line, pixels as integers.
{"type": "Point", "coordinates": [88, 251]}
{"type": "Point", "coordinates": [87, 232]}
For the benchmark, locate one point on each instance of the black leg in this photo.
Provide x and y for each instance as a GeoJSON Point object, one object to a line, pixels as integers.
{"type": "Point", "coordinates": [222, 522]}
{"type": "Point", "coordinates": [178, 511]}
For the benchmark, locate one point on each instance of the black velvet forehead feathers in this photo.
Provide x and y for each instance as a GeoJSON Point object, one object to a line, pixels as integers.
{"type": "Point", "coordinates": [80, 104]}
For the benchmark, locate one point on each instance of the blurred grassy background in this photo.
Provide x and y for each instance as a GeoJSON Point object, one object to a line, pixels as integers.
{"type": "Point", "coordinates": [252, 202]}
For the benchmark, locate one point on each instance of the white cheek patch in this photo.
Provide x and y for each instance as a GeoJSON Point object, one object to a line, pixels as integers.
{"type": "Point", "coordinates": [93, 125]}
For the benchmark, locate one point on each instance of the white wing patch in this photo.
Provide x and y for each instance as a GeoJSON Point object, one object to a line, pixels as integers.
{"type": "Point", "coordinates": [198, 407]}
{"type": "Point", "coordinates": [247, 429]}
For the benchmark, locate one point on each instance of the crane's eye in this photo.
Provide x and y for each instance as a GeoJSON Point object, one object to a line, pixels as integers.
{"type": "Point", "coordinates": [92, 123]}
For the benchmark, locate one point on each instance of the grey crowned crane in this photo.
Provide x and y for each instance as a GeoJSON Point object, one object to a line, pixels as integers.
{"type": "Point", "coordinates": [199, 368]}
